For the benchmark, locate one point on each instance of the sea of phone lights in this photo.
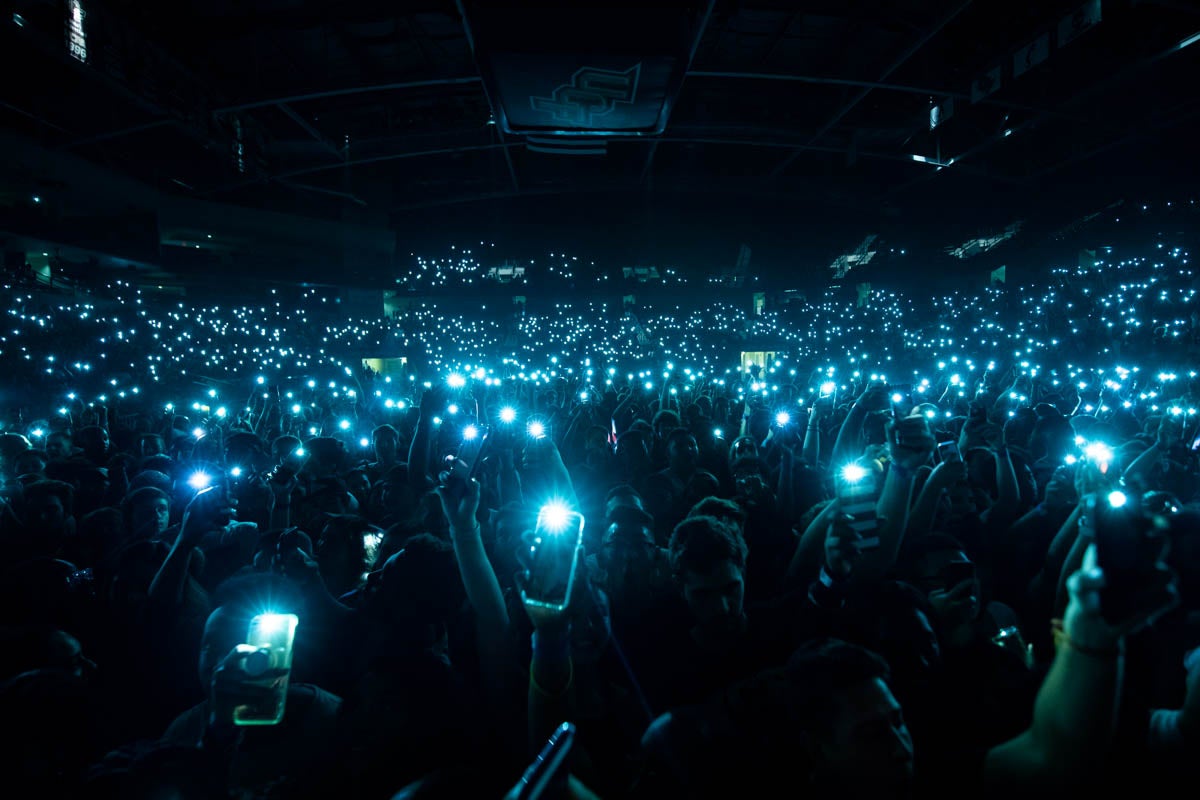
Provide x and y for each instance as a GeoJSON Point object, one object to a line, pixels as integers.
{"type": "Point", "coordinates": [1121, 334]}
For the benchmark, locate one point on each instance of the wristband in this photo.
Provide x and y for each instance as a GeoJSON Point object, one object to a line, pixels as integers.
{"type": "Point", "coordinates": [1093, 652]}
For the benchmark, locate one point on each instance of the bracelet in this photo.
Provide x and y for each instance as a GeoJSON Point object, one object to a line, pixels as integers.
{"type": "Point", "coordinates": [533, 684]}
{"type": "Point", "coordinates": [1092, 653]}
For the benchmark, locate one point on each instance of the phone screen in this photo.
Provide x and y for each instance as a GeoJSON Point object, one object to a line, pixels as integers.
{"type": "Point", "coordinates": [856, 491]}
{"type": "Point", "coordinates": [269, 642]}
{"type": "Point", "coordinates": [948, 452]}
{"type": "Point", "coordinates": [554, 557]}
{"type": "Point", "coordinates": [1128, 547]}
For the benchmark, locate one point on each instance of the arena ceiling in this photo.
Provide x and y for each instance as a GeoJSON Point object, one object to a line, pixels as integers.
{"type": "Point", "coordinates": [367, 112]}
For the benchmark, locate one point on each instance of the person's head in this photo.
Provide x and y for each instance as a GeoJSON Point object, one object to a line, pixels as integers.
{"type": "Point", "coordinates": [149, 477]}
{"type": "Point", "coordinates": [751, 481]}
{"type": "Point", "coordinates": [851, 727]}
{"type": "Point", "coordinates": [938, 565]}
{"type": "Point", "coordinates": [41, 647]}
{"type": "Point", "coordinates": [93, 440]}
{"type": "Point", "coordinates": [147, 513]}
{"type": "Point", "coordinates": [723, 510]}
{"type": "Point", "coordinates": [595, 439]}
{"type": "Point", "coordinates": [58, 445]}
{"type": "Point", "coordinates": [31, 462]}
{"type": "Point", "coordinates": [11, 446]}
{"type": "Point", "coordinates": [742, 447]}
{"type": "Point", "coordinates": [342, 552]}
{"type": "Point", "coordinates": [682, 450]}
{"type": "Point", "coordinates": [418, 589]}
{"type": "Point", "coordinates": [386, 442]}
{"type": "Point", "coordinates": [243, 449]}
{"type": "Point", "coordinates": [151, 444]}
{"type": "Point", "coordinates": [664, 423]}
{"type": "Point", "coordinates": [628, 558]}
{"type": "Point", "coordinates": [631, 452]}
{"type": "Point", "coordinates": [759, 424]}
{"type": "Point", "coordinates": [283, 447]}
{"type": "Point", "coordinates": [48, 508]}
{"type": "Point", "coordinates": [327, 457]}
{"type": "Point", "coordinates": [708, 560]}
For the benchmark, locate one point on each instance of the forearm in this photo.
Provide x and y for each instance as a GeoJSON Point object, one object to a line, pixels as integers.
{"type": "Point", "coordinates": [1142, 464]}
{"type": "Point", "coordinates": [920, 519]}
{"type": "Point", "coordinates": [810, 550]}
{"type": "Point", "coordinates": [811, 452]}
{"type": "Point", "coordinates": [281, 515]}
{"type": "Point", "coordinates": [167, 587]}
{"type": "Point", "coordinates": [418, 452]}
{"type": "Point", "coordinates": [1073, 723]}
{"type": "Point", "coordinates": [551, 698]}
{"type": "Point", "coordinates": [892, 509]}
{"type": "Point", "coordinates": [848, 444]}
{"type": "Point", "coordinates": [479, 579]}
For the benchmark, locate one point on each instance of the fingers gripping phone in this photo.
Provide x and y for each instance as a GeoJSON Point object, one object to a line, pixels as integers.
{"type": "Point", "coordinates": [1129, 545]}
{"type": "Point", "coordinates": [948, 452]}
{"type": "Point", "coordinates": [267, 660]}
{"type": "Point", "coordinates": [553, 557]}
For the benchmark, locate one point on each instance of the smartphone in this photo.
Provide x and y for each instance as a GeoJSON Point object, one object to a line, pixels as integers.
{"type": "Point", "coordinates": [554, 557]}
{"type": "Point", "coordinates": [267, 660]}
{"type": "Point", "coordinates": [547, 768]}
{"type": "Point", "coordinates": [948, 452]}
{"type": "Point", "coordinates": [858, 494]}
{"type": "Point", "coordinates": [901, 396]}
{"type": "Point", "coordinates": [1129, 545]}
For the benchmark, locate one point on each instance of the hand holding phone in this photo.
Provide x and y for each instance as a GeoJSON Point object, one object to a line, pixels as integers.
{"type": "Point", "coordinates": [257, 671]}
{"type": "Point", "coordinates": [1129, 548]}
{"type": "Point", "coordinates": [553, 558]}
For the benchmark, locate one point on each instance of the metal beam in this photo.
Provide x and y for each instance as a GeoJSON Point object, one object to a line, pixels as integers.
{"type": "Point", "coordinates": [858, 98]}
{"type": "Point", "coordinates": [820, 79]}
{"type": "Point", "coordinates": [307, 127]}
{"type": "Point", "coordinates": [104, 137]}
{"type": "Point", "coordinates": [358, 162]}
{"type": "Point", "coordinates": [378, 87]}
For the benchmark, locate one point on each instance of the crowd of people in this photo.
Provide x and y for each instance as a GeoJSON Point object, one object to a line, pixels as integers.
{"type": "Point", "coordinates": [930, 546]}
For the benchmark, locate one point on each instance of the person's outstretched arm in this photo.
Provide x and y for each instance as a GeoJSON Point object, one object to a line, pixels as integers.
{"type": "Point", "coordinates": [1074, 715]}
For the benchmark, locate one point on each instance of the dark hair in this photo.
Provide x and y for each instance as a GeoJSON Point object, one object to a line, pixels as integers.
{"type": "Point", "coordinates": [819, 670]}
{"type": "Point", "coordinates": [678, 435]}
{"type": "Point", "coordinates": [249, 593]}
{"type": "Point", "coordinates": [718, 507]}
{"type": "Point", "coordinates": [622, 490]}
{"type": "Point", "coordinates": [698, 544]}
{"type": "Point", "coordinates": [421, 582]}
{"type": "Point", "coordinates": [385, 430]}
{"type": "Point", "coordinates": [40, 490]}
{"type": "Point", "coordinates": [159, 463]}
{"type": "Point", "coordinates": [668, 417]}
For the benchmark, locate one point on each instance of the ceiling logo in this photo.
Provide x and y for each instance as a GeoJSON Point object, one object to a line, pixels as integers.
{"type": "Point", "coordinates": [591, 93]}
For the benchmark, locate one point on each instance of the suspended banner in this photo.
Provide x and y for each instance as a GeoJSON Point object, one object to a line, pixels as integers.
{"type": "Point", "coordinates": [583, 69]}
{"type": "Point", "coordinates": [1083, 19]}
{"type": "Point", "coordinates": [1031, 55]}
{"type": "Point", "coordinates": [1000, 275]}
